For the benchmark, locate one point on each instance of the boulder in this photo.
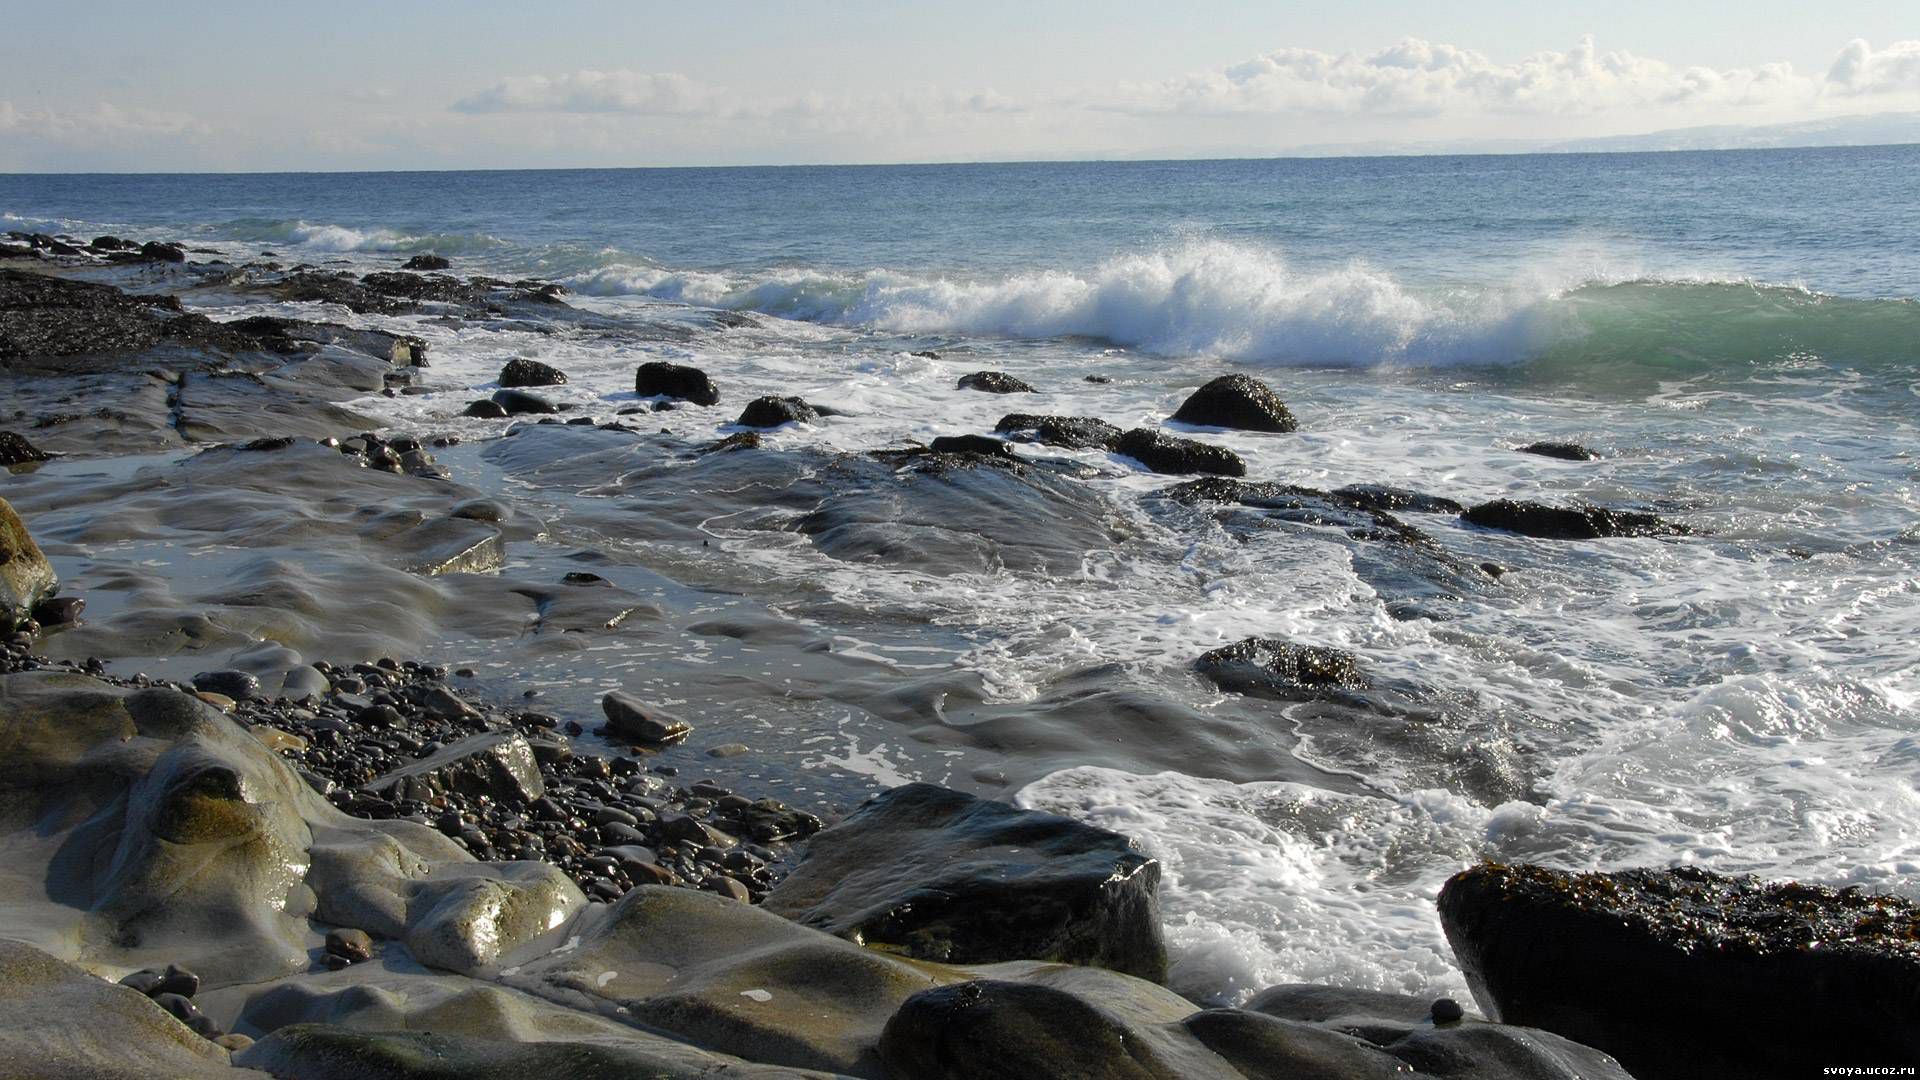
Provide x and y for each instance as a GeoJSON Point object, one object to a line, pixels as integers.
{"type": "Point", "coordinates": [1270, 668]}
{"type": "Point", "coordinates": [156, 251]}
{"type": "Point", "coordinates": [426, 262]}
{"type": "Point", "coordinates": [1237, 401]}
{"type": "Point", "coordinates": [971, 444]}
{"type": "Point", "coordinates": [1071, 432]}
{"type": "Point", "coordinates": [941, 875]}
{"type": "Point", "coordinates": [994, 382]}
{"type": "Point", "coordinates": [771, 412]}
{"type": "Point", "coordinates": [26, 577]}
{"type": "Point", "coordinates": [630, 718]}
{"type": "Point", "coordinates": [16, 450]}
{"type": "Point", "coordinates": [521, 371]}
{"type": "Point", "coordinates": [1164, 453]}
{"type": "Point", "coordinates": [485, 410]}
{"type": "Point", "coordinates": [660, 379]}
{"type": "Point", "coordinates": [497, 764]}
{"type": "Point", "coordinates": [1685, 973]}
{"type": "Point", "coordinates": [1565, 451]}
{"type": "Point", "coordinates": [520, 403]}
{"type": "Point", "coordinates": [1568, 523]}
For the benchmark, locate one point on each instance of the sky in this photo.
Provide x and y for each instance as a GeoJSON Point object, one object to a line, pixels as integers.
{"type": "Point", "coordinates": [409, 84]}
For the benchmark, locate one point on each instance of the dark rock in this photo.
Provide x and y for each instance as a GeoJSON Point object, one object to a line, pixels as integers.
{"type": "Point", "coordinates": [146, 981]}
{"type": "Point", "coordinates": [159, 252]}
{"type": "Point", "coordinates": [771, 412]}
{"type": "Point", "coordinates": [994, 382]}
{"type": "Point", "coordinates": [16, 450]}
{"type": "Point", "coordinates": [519, 402]}
{"type": "Point", "coordinates": [178, 1005]}
{"type": "Point", "coordinates": [992, 1030]}
{"type": "Point", "coordinates": [112, 243]}
{"type": "Point", "coordinates": [1265, 667]}
{"type": "Point", "coordinates": [739, 440]}
{"type": "Point", "coordinates": [1392, 499]}
{"type": "Point", "coordinates": [1565, 451]}
{"type": "Point", "coordinates": [1237, 401]}
{"type": "Point", "coordinates": [727, 887]}
{"type": "Point", "coordinates": [497, 764]}
{"type": "Point", "coordinates": [1568, 523]}
{"type": "Point", "coordinates": [1071, 432]}
{"type": "Point", "coordinates": [1164, 453]}
{"type": "Point", "coordinates": [426, 262]}
{"type": "Point", "coordinates": [1685, 973]}
{"type": "Point", "coordinates": [486, 410]}
{"type": "Point", "coordinates": [521, 371]}
{"type": "Point", "coordinates": [1447, 1011]}
{"type": "Point", "coordinates": [58, 611]}
{"type": "Point", "coordinates": [630, 718]}
{"type": "Point", "coordinates": [354, 945]}
{"type": "Point", "coordinates": [178, 980]}
{"type": "Point", "coordinates": [942, 875]}
{"type": "Point", "coordinates": [660, 379]}
{"type": "Point", "coordinates": [238, 685]}
{"type": "Point", "coordinates": [971, 444]}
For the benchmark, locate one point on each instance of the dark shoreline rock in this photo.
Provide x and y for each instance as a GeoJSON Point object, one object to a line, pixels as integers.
{"type": "Point", "coordinates": [1268, 667]}
{"type": "Point", "coordinates": [1684, 973]}
{"type": "Point", "coordinates": [1070, 432]}
{"type": "Point", "coordinates": [1568, 523]}
{"type": "Point", "coordinates": [522, 372]}
{"type": "Point", "coordinates": [1164, 453]}
{"type": "Point", "coordinates": [657, 378]}
{"type": "Point", "coordinates": [1237, 401]}
{"type": "Point", "coordinates": [994, 382]}
{"type": "Point", "coordinates": [772, 411]}
{"type": "Point", "coordinates": [1565, 451]}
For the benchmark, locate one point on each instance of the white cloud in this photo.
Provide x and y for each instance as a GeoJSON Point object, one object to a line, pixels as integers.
{"type": "Point", "coordinates": [1860, 70]}
{"type": "Point", "coordinates": [635, 92]}
{"type": "Point", "coordinates": [102, 121]}
{"type": "Point", "coordinates": [1421, 78]}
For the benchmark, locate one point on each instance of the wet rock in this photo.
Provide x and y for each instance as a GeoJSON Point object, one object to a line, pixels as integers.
{"type": "Point", "coordinates": [64, 1022]}
{"type": "Point", "coordinates": [946, 876]}
{"type": "Point", "coordinates": [1237, 401]}
{"type": "Point", "coordinates": [1568, 523]}
{"type": "Point", "coordinates": [1267, 667]}
{"type": "Point", "coordinates": [112, 243]}
{"type": "Point", "coordinates": [16, 450]}
{"type": "Point", "coordinates": [177, 980]}
{"type": "Point", "coordinates": [156, 251]}
{"type": "Point", "coordinates": [1565, 451]}
{"type": "Point", "coordinates": [497, 764]}
{"type": "Point", "coordinates": [1382, 497]}
{"type": "Point", "coordinates": [521, 371]}
{"type": "Point", "coordinates": [426, 262]}
{"type": "Point", "coordinates": [1005, 1030]}
{"type": "Point", "coordinates": [971, 444]}
{"type": "Point", "coordinates": [739, 440]}
{"type": "Point", "coordinates": [1661, 968]}
{"type": "Point", "coordinates": [486, 410]}
{"type": "Point", "coordinates": [26, 577]}
{"type": "Point", "coordinates": [146, 981]}
{"type": "Point", "coordinates": [771, 412]}
{"type": "Point", "coordinates": [994, 382]}
{"type": "Point", "coordinates": [58, 611]}
{"type": "Point", "coordinates": [238, 685]}
{"type": "Point", "coordinates": [1164, 453]}
{"type": "Point", "coordinates": [574, 1049]}
{"type": "Point", "coordinates": [660, 379]}
{"type": "Point", "coordinates": [1071, 432]}
{"type": "Point", "coordinates": [521, 403]}
{"type": "Point", "coordinates": [630, 718]}
{"type": "Point", "coordinates": [354, 945]}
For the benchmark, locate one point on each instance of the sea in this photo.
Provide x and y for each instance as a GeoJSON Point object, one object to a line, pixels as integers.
{"type": "Point", "coordinates": [1736, 334]}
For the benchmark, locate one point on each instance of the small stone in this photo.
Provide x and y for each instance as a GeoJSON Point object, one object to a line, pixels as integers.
{"type": "Point", "coordinates": [182, 1009]}
{"type": "Point", "coordinates": [629, 717]}
{"type": "Point", "coordinates": [727, 887]}
{"type": "Point", "coordinates": [232, 1042]}
{"type": "Point", "coordinates": [336, 962]}
{"type": "Point", "coordinates": [354, 945]}
{"type": "Point", "coordinates": [724, 750]}
{"type": "Point", "coordinates": [238, 685]}
{"type": "Point", "coordinates": [485, 410]}
{"type": "Point", "coordinates": [994, 382]}
{"type": "Point", "coordinates": [178, 980]}
{"type": "Point", "coordinates": [1447, 1011]}
{"type": "Point", "coordinates": [218, 701]}
{"type": "Point", "coordinates": [146, 980]}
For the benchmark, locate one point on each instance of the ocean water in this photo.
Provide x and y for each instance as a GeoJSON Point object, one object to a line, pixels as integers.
{"type": "Point", "coordinates": [1737, 333]}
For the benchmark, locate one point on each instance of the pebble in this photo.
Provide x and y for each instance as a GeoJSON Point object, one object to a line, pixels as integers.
{"type": "Point", "coordinates": [1447, 1011]}
{"type": "Point", "coordinates": [349, 943]}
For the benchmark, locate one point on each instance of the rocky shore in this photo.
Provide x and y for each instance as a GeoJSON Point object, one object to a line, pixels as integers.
{"type": "Point", "coordinates": [322, 860]}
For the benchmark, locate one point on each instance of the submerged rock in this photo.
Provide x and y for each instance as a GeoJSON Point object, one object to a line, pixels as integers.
{"type": "Point", "coordinates": [1568, 523]}
{"type": "Point", "coordinates": [994, 382]}
{"type": "Point", "coordinates": [1071, 432]}
{"type": "Point", "coordinates": [771, 412]}
{"type": "Point", "coordinates": [1237, 401]}
{"type": "Point", "coordinates": [660, 379]}
{"type": "Point", "coordinates": [520, 403]}
{"type": "Point", "coordinates": [1267, 667]}
{"type": "Point", "coordinates": [1685, 973]}
{"type": "Point", "coordinates": [1565, 451]}
{"type": "Point", "coordinates": [26, 577]}
{"type": "Point", "coordinates": [521, 371]}
{"type": "Point", "coordinates": [1164, 453]}
{"type": "Point", "coordinates": [942, 875]}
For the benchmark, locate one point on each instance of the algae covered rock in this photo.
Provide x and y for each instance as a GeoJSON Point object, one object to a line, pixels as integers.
{"type": "Point", "coordinates": [942, 875]}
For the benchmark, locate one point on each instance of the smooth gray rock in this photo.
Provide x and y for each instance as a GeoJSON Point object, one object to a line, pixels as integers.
{"type": "Point", "coordinates": [630, 718]}
{"type": "Point", "coordinates": [497, 764]}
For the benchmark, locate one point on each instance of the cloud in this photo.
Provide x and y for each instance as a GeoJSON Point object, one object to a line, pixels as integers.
{"type": "Point", "coordinates": [1860, 70]}
{"type": "Point", "coordinates": [634, 92]}
{"type": "Point", "coordinates": [1420, 78]}
{"type": "Point", "coordinates": [101, 121]}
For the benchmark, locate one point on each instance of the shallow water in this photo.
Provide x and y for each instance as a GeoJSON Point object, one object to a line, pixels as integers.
{"type": "Point", "coordinates": [1735, 333]}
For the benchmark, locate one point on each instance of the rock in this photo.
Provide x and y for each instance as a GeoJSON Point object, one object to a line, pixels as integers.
{"type": "Point", "coordinates": [426, 262]}
{"type": "Point", "coordinates": [155, 251]}
{"type": "Point", "coordinates": [519, 402]}
{"type": "Point", "coordinates": [146, 981]}
{"type": "Point", "coordinates": [63, 1022]}
{"type": "Point", "coordinates": [112, 243]}
{"type": "Point", "coordinates": [26, 577]}
{"type": "Point", "coordinates": [486, 410]}
{"type": "Point", "coordinates": [573, 1050]}
{"type": "Point", "coordinates": [352, 944]}
{"type": "Point", "coordinates": [1568, 523]}
{"type": "Point", "coordinates": [232, 1042]}
{"type": "Point", "coordinates": [771, 412]}
{"type": "Point", "coordinates": [218, 701]}
{"type": "Point", "coordinates": [971, 444]}
{"type": "Point", "coordinates": [521, 371]}
{"type": "Point", "coordinates": [1685, 973]}
{"type": "Point", "coordinates": [177, 980]}
{"type": "Point", "coordinates": [941, 875]}
{"type": "Point", "coordinates": [498, 764]}
{"type": "Point", "coordinates": [1071, 432]}
{"type": "Point", "coordinates": [739, 440]}
{"type": "Point", "coordinates": [994, 382]}
{"type": "Point", "coordinates": [1164, 453]}
{"type": "Point", "coordinates": [1565, 451]}
{"type": "Point", "coordinates": [1267, 667]}
{"type": "Point", "coordinates": [630, 718]}
{"type": "Point", "coordinates": [1447, 1011]}
{"type": "Point", "coordinates": [660, 379]}
{"type": "Point", "coordinates": [16, 450]}
{"type": "Point", "coordinates": [58, 611]}
{"type": "Point", "coordinates": [238, 685]}
{"type": "Point", "coordinates": [1381, 497]}
{"type": "Point", "coordinates": [1236, 401]}
{"type": "Point", "coordinates": [727, 887]}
